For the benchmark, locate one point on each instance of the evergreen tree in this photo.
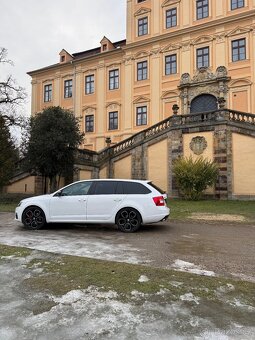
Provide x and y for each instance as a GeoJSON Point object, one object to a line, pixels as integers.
{"type": "Point", "coordinates": [54, 137]}
{"type": "Point", "coordinates": [8, 154]}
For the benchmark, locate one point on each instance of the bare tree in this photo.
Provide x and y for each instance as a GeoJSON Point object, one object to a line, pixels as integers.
{"type": "Point", "coordinates": [11, 95]}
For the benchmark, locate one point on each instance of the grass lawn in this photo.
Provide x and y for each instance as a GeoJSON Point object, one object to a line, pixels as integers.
{"type": "Point", "coordinates": [183, 209]}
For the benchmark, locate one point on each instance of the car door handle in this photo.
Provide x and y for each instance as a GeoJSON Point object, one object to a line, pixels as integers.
{"type": "Point", "coordinates": [117, 200]}
{"type": "Point", "coordinates": [82, 200]}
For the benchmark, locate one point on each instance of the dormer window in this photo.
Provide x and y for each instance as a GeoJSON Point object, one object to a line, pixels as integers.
{"type": "Point", "coordinates": [65, 56]}
{"type": "Point", "coordinates": [106, 45]}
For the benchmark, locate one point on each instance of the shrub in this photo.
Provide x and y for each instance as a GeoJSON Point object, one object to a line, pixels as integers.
{"type": "Point", "coordinates": [194, 176]}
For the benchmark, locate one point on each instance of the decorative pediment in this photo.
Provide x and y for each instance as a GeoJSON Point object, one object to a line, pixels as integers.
{"type": "Point", "coordinates": [113, 105]}
{"type": "Point", "coordinates": [169, 94]}
{"type": "Point", "coordinates": [90, 70]}
{"type": "Point", "coordinates": [49, 80]}
{"type": "Point", "coordinates": [89, 109]}
{"type": "Point", "coordinates": [69, 75]}
{"type": "Point", "coordinates": [170, 3]}
{"type": "Point", "coordinates": [170, 47]}
{"type": "Point", "coordinates": [142, 54]}
{"type": "Point", "coordinates": [202, 40]}
{"type": "Point", "coordinates": [240, 82]}
{"type": "Point", "coordinates": [113, 65]}
{"type": "Point", "coordinates": [142, 11]}
{"type": "Point", "coordinates": [239, 30]}
{"type": "Point", "coordinates": [141, 99]}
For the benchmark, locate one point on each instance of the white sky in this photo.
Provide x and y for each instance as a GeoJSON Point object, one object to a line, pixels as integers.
{"type": "Point", "coordinates": [35, 31]}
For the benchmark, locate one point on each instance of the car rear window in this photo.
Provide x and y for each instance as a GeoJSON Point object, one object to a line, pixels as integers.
{"type": "Point", "coordinates": [157, 188]}
{"type": "Point", "coordinates": [133, 188]}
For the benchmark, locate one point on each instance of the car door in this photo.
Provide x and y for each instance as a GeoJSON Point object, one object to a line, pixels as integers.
{"type": "Point", "coordinates": [104, 201]}
{"type": "Point", "coordinates": [70, 203]}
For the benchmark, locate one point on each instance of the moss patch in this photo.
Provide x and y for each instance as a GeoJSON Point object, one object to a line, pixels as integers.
{"type": "Point", "coordinates": [13, 251]}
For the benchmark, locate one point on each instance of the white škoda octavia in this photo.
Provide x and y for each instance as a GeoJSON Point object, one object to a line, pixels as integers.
{"type": "Point", "coordinates": [127, 203]}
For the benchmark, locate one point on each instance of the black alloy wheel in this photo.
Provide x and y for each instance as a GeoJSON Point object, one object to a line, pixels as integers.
{"type": "Point", "coordinates": [128, 220]}
{"type": "Point", "coordinates": [33, 218]}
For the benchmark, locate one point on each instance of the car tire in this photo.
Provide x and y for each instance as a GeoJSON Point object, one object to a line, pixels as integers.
{"type": "Point", "coordinates": [128, 220]}
{"type": "Point", "coordinates": [33, 218]}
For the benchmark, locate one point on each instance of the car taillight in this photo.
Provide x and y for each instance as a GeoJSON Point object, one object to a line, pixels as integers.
{"type": "Point", "coordinates": [159, 201]}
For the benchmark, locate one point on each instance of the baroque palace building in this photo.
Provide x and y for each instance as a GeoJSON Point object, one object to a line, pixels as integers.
{"type": "Point", "coordinates": [181, 84]}
{"type": "Point", "coordinates": [184, 52]}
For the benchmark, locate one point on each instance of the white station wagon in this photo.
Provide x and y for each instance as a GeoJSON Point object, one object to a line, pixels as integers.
{"type": "Point", "coordinates": [127, 203]}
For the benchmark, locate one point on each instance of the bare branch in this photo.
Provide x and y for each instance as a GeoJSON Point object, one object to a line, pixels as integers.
{"type": "Point", "coordinates": [11, 95]}
{"type": "Point", "coordinates": [3, 56]}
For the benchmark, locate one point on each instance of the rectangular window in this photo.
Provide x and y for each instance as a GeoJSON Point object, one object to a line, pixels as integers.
{"type": "Point", "coordinates": [113, 120]}
{"type": "Point", "coordinates": [68, 88]}
{"type": "Point", "coordinates": [141, 115]}
{"type": "Point", "coordinates": [237, 4]}
{"type": "Point", "coordinates": [142, 70]}
{"type": "Point", "coordinates": [238, 50]}
{"type": "Point", "coordinates": [113, 79]}
{"type": "Point", "coordinates": [89, 84]}
{"type": "Point", "coordinates": [48, 93]}
{"type": "Point", "coordinates": [89, 123]}
{"type": "Point", "coordinates": [203, 57]}
{"type": "Point", "coordinates": [171, 17]}
{"type": "Point", "coordinates": [170, 64]}
{"type": "Point", "coordinates": [202, 9]}
{"type": "Point", "coordinates": [143, 26]}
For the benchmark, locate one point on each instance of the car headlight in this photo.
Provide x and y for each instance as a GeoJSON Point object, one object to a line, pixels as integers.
{"type": "Point", "coordinates": [20, 203]}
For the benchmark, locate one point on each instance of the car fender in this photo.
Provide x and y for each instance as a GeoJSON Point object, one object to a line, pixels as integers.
{"type": "Point", "coordinates": [129, 204]}
{"type": "Point", "coordinates": [40, 204]}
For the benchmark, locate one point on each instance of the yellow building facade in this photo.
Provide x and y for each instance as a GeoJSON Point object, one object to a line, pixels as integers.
{"type": "Point", "coordinates": [184, 52]}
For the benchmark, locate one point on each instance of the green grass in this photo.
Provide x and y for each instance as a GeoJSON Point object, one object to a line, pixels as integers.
{"type": "Point", "coordinates": [8, 207]}
{"type": "Point", "coordinates": [61, 274]}
{"type": "Point", "coordinates": [64, 273]}
{"type": "Point", "coordinates": [183, 209]}
{"type": "Point", "coordinates": [13, 251]}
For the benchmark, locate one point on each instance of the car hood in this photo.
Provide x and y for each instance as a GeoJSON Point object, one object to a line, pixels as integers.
{"type": "Point", "coordinates": [40, 197]}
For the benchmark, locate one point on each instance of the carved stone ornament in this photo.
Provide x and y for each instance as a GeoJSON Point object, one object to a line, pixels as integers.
{"type": "Point", "coordinates": [198, 145]}
{"type": "Point", "coordinates": [203, 74]}
{"type": "Point", "coordinates": [221, 71]}
{"type": "Point", "coordinates": [185, 78]}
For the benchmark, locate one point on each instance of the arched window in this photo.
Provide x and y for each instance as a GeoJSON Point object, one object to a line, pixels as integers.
{"type": "Point", "coordinates": [203, 103]}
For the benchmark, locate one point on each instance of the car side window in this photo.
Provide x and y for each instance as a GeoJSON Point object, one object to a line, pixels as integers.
{"type": "Point", "coordinates": [133, 188]}
{"type": "Point", "coordinates": [105, 188]}
{"type": "Point", "coordinates": [77, 189]}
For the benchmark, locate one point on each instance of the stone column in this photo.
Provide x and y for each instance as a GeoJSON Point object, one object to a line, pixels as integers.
{"type": "Point", "coordinates": [176, 151]}
{"type": "Point", "coordinates": [223, 159]}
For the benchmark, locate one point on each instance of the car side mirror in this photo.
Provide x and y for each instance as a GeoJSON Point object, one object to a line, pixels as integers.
{"type": "Point", "coordinates": [58, 194]}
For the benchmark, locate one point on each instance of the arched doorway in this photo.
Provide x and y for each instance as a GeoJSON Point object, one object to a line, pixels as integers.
{"type": "Point", "coordinates": [203, 103]}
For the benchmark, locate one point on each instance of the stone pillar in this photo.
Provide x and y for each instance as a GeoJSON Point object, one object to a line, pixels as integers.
{"type": "Point", "coordinates": [223, 159]}
{"type": "Point", "coordinates": [139, 162]}
{"type": "Point", "coordinates": [176, 151]}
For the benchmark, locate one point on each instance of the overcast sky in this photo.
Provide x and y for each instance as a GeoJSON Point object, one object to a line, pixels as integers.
{"type": "Point", "coordinates": [35, 31]}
